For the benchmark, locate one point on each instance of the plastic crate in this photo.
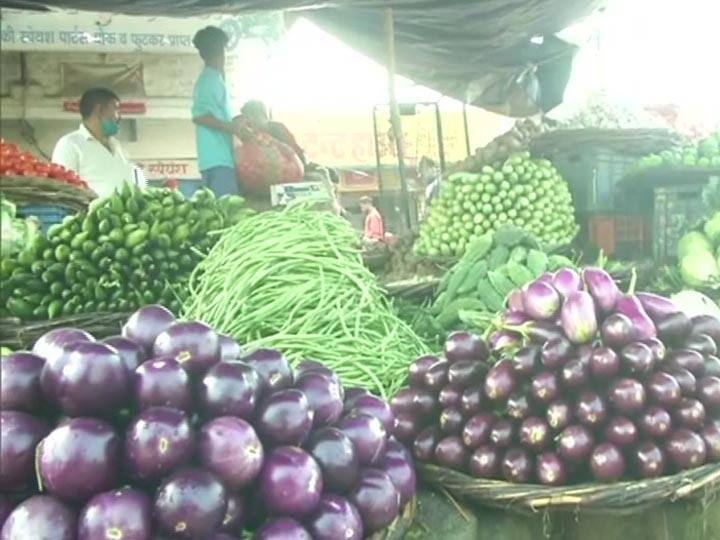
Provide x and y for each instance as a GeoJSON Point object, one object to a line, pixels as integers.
{"type": "Point", "coordinates": [46, 214]}
{"type": "Point", "coordinates": [593, 176]}
{"type": "Point", "coordinates": [676, 210]}
{"type": "Point", "coordinates": [619, 235]}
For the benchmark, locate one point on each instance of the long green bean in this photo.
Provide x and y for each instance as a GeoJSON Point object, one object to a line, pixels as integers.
{"type": "Point", "coordinates": [295, 281]}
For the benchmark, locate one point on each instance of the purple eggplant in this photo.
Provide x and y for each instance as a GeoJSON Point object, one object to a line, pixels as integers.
{"type": "Point", "coordinates": [693, 361]}
{"type": "Point", "coordinates": [534, 434]}
{"type": "Point", "coordinates": [673, 328]}
{"type": "Point", "coordinates": [550, 469]}
{"type": "Point", "coordinates": [630, 306]}
{"type": "Point", "coordinates": [450, 452]}
{"type": "Point", "coordinates": [518, 406]}
{"type": "Point", "coordinates": [590, 409]}
{"type": "Point", "coordinates": [449, 397]}
{"type": "Point", "coordinates": [515, 318]}
{"type": "Point", "coordinates": [657, 306]}
{"type": "Point", "coordinates": [657, 348]}
{"type": "Point", "coordinates": [566, 281]}
{"type": "Point", "coordinates": [541, 331]}
{"type": "Point", "coordinates": [706, 324]}
{"type": "Point", "coordinates": [555, 352]}
{"type": "Point", "coordinates": [578, 317]}
{"type": "Point", "coordinates": [559, 415]}
{"type": "Point", "coordinates": [471, 400]}
{"type": "Point", "coordinates": [425, 443]}
{"type": "Point", "coordinates": [574, 374]}
{"type": "Point", "coordinates": [503, 339]}
{"type": "Point", "coordinates": [602, 288]}
{"type": "Point", "coordinates": [604, 363]}
{"type": "Point", "coordinates": [465, 346]}
{"type": "Point", "coordinates": [712, 366]}
{"type": "Point", "coordinates": [544, 387]}
{"type": "Point", "coordinates": [525, 360]}
{"type": "Point", "coordinates": [637, 359]}
{"type": "Point", "coordinates": [502, 433]}
{"type": "Point", "coordinates": [418, 369]}
{"type": "Point", "coordinates": [451, 421]}
{"type": "Point", "coordinates": [617, 331]}
{"type": "Point", "coordinates": [541, 300]}
{"type": "Point", "coordinates": [517, 465]}
{"type": "Point", "coordinates": [515, 301]}
{"type": "Point", "coordinates": [500, 381]}
{"type": "Point", "coordinates": [607, 463]}
{"type": "Point", "coordinates": [701, 343]}
{"type": "Point", "coordinates": [477, 430]}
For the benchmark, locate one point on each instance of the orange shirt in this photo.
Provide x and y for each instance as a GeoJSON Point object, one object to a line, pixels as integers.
{"type": "Point", "coordinates": [374, 228]}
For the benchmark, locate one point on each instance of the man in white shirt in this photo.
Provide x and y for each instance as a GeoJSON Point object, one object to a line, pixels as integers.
{"type": "Point", "coordinates": [92, 151]}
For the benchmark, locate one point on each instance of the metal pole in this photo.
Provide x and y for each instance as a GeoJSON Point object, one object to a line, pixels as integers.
{"type": "Point", "coordinates": [378, 161]}
{"type": "Point", "coordinates": [441, 141]}
{"type": "Point", "coordinates": [467, 130]}
{"type": "Point", "coordinates": [395, 120]}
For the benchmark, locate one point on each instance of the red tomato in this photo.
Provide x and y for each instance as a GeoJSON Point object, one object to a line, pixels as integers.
{"type": "Point", "coordinates": [56, 170]}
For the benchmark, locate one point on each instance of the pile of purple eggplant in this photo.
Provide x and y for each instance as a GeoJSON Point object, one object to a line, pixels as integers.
{"type": "Point", "coordinates": [170, 431]}
{"type": "Point", "coordinates": [585, 384]}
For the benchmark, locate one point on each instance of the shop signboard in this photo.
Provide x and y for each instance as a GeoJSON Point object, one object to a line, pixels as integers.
{"type": "Point", "coordinates": [102, 32]}
{"type": "Point", "coordinates": [163, 169]}
{"type": "Point", "coordinates": [283, 194]}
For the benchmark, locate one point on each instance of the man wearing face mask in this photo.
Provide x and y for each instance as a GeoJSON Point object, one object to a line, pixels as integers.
{"type": "Point", "coordinates": [92, 150]}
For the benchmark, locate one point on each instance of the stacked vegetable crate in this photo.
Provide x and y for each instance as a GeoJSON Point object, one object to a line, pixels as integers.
{"type": "Point", "coordinates": [672, 198]}
{"type": "Point", "coordinates": [621, 235]}
{"type": "Point", "coordinates": [675, 210]}
{"type": "Point", "coordinates": [593, 162]}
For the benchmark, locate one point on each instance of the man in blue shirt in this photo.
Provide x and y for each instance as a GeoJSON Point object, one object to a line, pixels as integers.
{"type": "Point", "coordinates": [211, 115]}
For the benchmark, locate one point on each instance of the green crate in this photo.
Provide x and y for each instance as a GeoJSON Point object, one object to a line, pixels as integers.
{"type": "Point", "coordinates": [592, 176]}
{"type": "Point", "coordinates": [676, 210]}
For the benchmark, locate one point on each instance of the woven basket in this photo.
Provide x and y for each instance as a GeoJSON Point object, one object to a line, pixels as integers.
{"type": "Point", "coordinates": [16, 334]}
{"type": "Point", "coordinates": [29, 190]}
{"type": "Point", "coordinates": [621, 497]}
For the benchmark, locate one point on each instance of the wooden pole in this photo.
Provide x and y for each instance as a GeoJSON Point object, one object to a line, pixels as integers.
{"type": "Point", "coordinates": [395, 119]}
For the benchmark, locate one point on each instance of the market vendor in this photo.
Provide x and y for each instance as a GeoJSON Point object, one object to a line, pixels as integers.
{"type": "Point", "coordinates": [214, 128]}
{"type": "Point", "coordinates": [92, 151]}
{"type": "Point", "coordinates": [374, 229]}
{"type": "Point", "coordinates": [430, 176]}
{"type": "Point", "coordinates": [254, 116]}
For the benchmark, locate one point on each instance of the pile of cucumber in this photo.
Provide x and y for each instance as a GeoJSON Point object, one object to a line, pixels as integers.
{"type": "Point", "coordinates": [133, 248]}
{"type": "Point", "coordinates": [493, 266]}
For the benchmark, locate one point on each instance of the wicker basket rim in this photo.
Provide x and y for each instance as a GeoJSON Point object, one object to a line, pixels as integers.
{"type": "Point", "coordinates": [534, 496]}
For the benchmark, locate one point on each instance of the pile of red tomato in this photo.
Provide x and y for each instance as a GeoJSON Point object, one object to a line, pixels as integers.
{"type": "Point", "coordinates": [15, 162]}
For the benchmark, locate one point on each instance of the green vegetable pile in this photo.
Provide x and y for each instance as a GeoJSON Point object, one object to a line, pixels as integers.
{"type": "Point", "coordinates": [493, 266]}
{"type": "Point", "coordinates": [295, 281]}
{"type": "Point", "coordinates": [706, 154]}
{"type": "Point", "coordinates": [15, 232]}
{"type": "Point", "coordinates": [133, 248]}
{"type": "Point", "coordinates": [699, 255]}
{"type": "Point", "coordinates": [528, 193]}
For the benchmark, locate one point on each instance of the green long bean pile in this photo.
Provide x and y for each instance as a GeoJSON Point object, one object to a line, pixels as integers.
{"type": "Point", "coordinates": [295, 281]}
